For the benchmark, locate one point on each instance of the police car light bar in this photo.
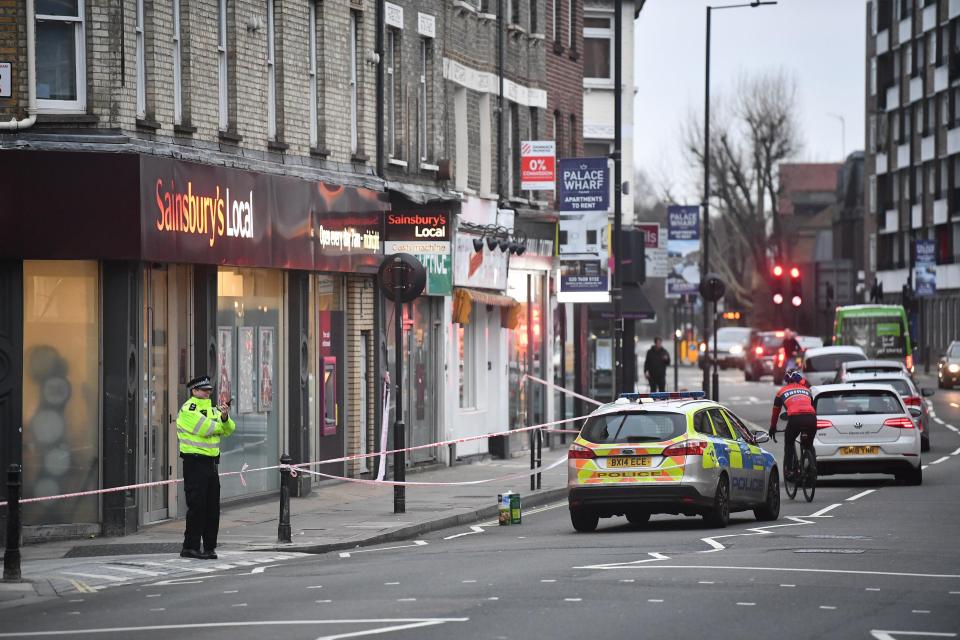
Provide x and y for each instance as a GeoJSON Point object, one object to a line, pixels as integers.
{"type": "Point", "coordinates": [663, 395]}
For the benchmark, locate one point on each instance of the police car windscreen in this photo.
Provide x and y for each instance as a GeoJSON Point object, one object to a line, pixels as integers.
{"type": "Point", "coordinates": [622, 428]}
{"type": "Point", "coordinates": [829, 361]}
{"type": "Point", "coordinates": [856, 402]}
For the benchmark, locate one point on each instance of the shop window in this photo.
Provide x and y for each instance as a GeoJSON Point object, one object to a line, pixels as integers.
{"type": "Point", "coordinates": [394, 91]}
{"type": "Point", "coordinates": [250, 330]}
{"type": "Point", "coordinates": [61, 389]}
{"type": "Point", "coordinates": [61, 59]}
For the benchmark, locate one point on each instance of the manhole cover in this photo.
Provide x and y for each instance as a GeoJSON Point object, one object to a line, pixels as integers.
{"type": "Point", "coordinates": [95, 550]}
{"type": "Point", "coordinates": [829, 550]}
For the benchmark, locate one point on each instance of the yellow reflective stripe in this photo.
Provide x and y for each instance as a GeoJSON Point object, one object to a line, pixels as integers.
{"type": "Point", "coordinates": [201, 445]}
{"type": "Point", "coordinates": [205, 427]}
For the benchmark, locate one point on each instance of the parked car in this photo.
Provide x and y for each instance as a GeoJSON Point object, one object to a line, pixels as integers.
{"type": "Point", "coordinates": [866, 428]}
{"type": "Point", "coordinates": [948, 368]}
{"type": "Point", "coordinates": [669, 453]}
{"type": "Point", "coordinates": [781, 365]}
{"type": "Point", "coordinates": [761, 354]}
{"type": "Point", "coordinates": [869, 366]}
{"type": "Point", "coordinates": [732, 345]}
{"type": "Point", "coordinates": [912, 396]}
{"type": "Point", "coordinates": [820, 365]}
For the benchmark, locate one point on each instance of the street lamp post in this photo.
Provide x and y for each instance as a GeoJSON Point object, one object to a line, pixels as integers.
{"type": "Point", "coordinates": [706, 193]}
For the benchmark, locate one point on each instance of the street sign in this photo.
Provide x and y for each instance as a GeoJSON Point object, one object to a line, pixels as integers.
{"type": "Point", "coordinates": [584, 184]}
{"type": "Point", "coordinates": [538, 170]}
{"type": "Point", "coordinates": [925, 282]}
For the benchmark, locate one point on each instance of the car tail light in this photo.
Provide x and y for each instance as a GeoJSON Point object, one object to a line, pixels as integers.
{"type": "Point", "coordinates": [913, 401]}
{"type": "Point", "coordinates": [823, 424]}
{"type": "Point", "coordinates": [899, 423]}
{"type": "Point", "coordinates": [758, 351]}
{"type": "Point", "coordinates": [781, 356]}
{"type": "Point", "coordinates": [686, 448]}
{"type": "Point", "coordinates": [579, 452]}
{"type": "Point", "coordinates": [909, 362]}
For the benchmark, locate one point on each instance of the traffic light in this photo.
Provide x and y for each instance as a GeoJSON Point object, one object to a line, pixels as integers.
{"type": "Point", "coordinates": [796, 287]}
{"type": "Point", "coordinates": [777, 283]}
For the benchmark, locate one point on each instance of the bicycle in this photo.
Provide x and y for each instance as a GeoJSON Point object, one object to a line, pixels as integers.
{"type": "Point", "coordinates": [802, 471]}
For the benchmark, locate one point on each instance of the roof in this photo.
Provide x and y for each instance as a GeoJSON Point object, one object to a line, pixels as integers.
{"type": "Point", "coordinates": [876, 375]}
{"type": "Point", "coordinates": [820, 351]}
{"type": "Point", "coordinates": [821, 388]}
{"type": "Point", "coordinates": [676, 406]}
{"type": "Point", "coordinates": [866, 364]}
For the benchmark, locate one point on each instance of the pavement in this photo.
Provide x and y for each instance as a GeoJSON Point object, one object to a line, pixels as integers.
{"type": "Point", "coordinates": [336, 516]}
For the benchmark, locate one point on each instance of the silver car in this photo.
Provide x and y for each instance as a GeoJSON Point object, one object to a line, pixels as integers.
{"type": "Point", "coordinates": [866, 428]}
{"type": "Point", "coordinates": [820, 365]}
{"type": "Point", "coordinates": [912, 396]}
{"type": "Point", "coordinates": [669, 453]}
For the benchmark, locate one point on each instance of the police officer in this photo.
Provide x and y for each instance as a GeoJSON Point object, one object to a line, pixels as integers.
{"type": "Point", "coordinates": [655, 366]}
{"type": "Point", "coordinates": [200, 426]}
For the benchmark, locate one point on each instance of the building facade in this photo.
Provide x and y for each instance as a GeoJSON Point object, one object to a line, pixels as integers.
{"type": "Point", "coordinates": [912, 162]}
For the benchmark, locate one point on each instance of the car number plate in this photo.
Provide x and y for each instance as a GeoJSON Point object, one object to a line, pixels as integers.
{"type": "Point", "coordinates": [639, 461]}
{"type": "Point", "coordinates": [859, 451]}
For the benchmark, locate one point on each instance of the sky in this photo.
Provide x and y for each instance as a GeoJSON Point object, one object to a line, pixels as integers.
{"type": "Point", "coordinates": [821, 43]}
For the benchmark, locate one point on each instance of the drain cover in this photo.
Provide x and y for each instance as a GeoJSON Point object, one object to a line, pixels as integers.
{"type": "Point", "coordinates": [94, 550]}
{"type": "Point", "coordinates": [829, 550]}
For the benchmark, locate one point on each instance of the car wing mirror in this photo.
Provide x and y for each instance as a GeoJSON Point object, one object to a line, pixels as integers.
{"type": "Point", "coordinates": [760, 437]}
{"type": "Point", "coordinates": [915, 412]}
{"type": "Point", "coordinates": [926, 392]}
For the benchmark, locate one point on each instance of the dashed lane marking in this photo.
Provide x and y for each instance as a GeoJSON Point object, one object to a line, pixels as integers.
{"type": "Point", "coordinates": [406, 599]}
{"type": "Point", "coordinates": [548, 581]}
{"type": "Point", "coordinates": [788, 586]}
{"type": "Point", "coordinates": [705, 582]}
{"type": "Point", "coordinates": [316, 586]}
{"type": "Point", "coordinates": [232, 591]}
{"type": "Point", "coordinates": [860, 495]}
{"type": "Point", "coordinates": [820, 513]}
{"type": "Point", "coordinates": [493, 598]}
{"type": "Point", "coordinates": [159, 609]}
{"type": "Point", "coordinates": [746, 604]}
{"type": "Point", "coordinates": [654, 556]}
{"type": "Point", "coordinates": [871, 589]}
{"type": "Point", "coordinates": [241, 604]}
{"type": "Point", "coordinates": [654, 600]}
{"type": "Point", "coordinates": [956, 453]}
{"type": "Point", "coordinates": [920, 611]}
{"type": "Point", "coordinates": [828, 607]}
{"type": "Point", "coordinates": [416, 543]}
{"type": "Point", "coordinates": [323, 601]}
{"type": "Point", "coordinates": [939, 460]}
{"type": "Point", "coordinates": [879, 634]}
{"type": "Point", "coordinates": [573, 599]}
{"type": "Point", "coordinates": [903, 574]}
{"type": "Point", "coordinates": [157, 595]}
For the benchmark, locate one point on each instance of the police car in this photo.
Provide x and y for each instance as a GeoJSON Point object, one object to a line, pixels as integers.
{"type": "Point", "coordinates": [672, 453]}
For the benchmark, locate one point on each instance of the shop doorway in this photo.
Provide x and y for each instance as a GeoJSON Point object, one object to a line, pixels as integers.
{"type": "Point", "coordinates": [423, 375]}
{"type": "Point", "coordinates": [166, 343]}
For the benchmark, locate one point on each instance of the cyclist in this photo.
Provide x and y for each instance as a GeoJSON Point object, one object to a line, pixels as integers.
{"type": "Point", "coordinates": [796, 399]}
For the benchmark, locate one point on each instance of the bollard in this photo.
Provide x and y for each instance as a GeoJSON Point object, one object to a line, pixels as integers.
{"type": "Point", "coordinates": [283, 530]}
{"type": "Point", "coordinates": [11, 555]}
{"type": "Point", "coordinates": [539, 454]}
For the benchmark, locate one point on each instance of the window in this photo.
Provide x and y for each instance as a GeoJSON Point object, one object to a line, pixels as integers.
{"type": "Point", "coordinates": [555, 21]}
{"type": "Point", "coordinates": [224, 115]}
{"type": "Point", "coordinates": [597, 149]}
{"type": "Point", "coordinates": [872, 195]}
{"type": "Point", "coordinates": [513, 10]}
{"type": "Point", "coordinates": [141, 63]}
{"type": "Point", "coordinates": [315, 8]}
{"type": "Point", "coordinates": [872, 132]}
{"type": "Point", "coordinates": [394, 90]}
{"type": "Point", "coordinates": [739, 428]}
{"type": "Point", "coordinates": [558, 132]}
{"type": "Point", "coordinates": [354, 77]}
{"type": "Point", "coordinates": [908, 59]}
{"type": "Point", "coordinates": [534, 21]}
{"type": "Point", "coordinates": [919, 58]}
{"type": "Point", "coordinates": [513, 151]}
{"type": "Point", "coordinates": [572, 137]}
{"type": "Point", "coordinates": [597, 47]}
{"type": "Point", "coordinates": [932, 47]}
{"type": "Point", "coordinates": [571, 25]}
{"type": "Point", "coordinates": [634, 428]}
{"type": "Point", "coordinates": [486, 155]}
{"type": "Point", "coordinates": [720, 425]}
{"type": "Point", "coordinates": [462, 167]}
{"type": "Point", "coordinates": [701, 423]}
{"type": "Point", "coordinates": [534, 124]}
{"type": "Point", "coordinates": [61, 61]}
{"type": "Point", "coordinates": [945, 109]}
{"type": "Point", "coordinates": [271, 73]}
{"type": "Point", "coordinates": [873, 76]}
{"type": "Point", "coordinates": [426, 84]}
{"type": "Point", "coordinates": [177, 71]}
{"type": "Point", "coordinates": [467, 358]}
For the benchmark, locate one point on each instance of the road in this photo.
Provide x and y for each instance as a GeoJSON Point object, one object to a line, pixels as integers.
{"type": "Point", "coordinates": [867, 559]}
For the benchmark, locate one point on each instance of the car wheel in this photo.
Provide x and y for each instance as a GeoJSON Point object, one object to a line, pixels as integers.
{"type": "Point", "coordinates": [719, 514]}
{"type": "Point", "coordinates": [584, 521]}
{"type": "Point", "coordinates": [770, 510]}
{"type": "Point", "coordinates": [638, 517]}
{"type": "Point", "coordinates": [911, 478]}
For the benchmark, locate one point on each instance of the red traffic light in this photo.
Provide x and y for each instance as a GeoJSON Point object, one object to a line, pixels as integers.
{"type": "Point", "coordinates": [796, 301]}
{"type": "Point", "coordinates": [777, 270]}
{"type": "Point", "coordinates": [794, 272]}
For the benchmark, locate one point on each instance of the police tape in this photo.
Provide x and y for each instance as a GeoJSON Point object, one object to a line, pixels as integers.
{"type": "Point", "coordinates": [296, 467]}
{"type": "Point", "coordinates": [559, 388]}
{"type": "Point", "coordinates": [398, 483]}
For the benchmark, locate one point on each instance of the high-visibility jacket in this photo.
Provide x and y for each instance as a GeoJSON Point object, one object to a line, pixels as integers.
{"type": "Point", "coordinates": [200, 425]}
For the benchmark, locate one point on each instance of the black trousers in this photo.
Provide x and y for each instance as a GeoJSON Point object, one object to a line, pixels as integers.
{"type": "Point", "coordinates": [202, 486]}
{"type": "Point", "coordinates": [802, 425]}
{"type": "Point", "coordinates": [658, 382]}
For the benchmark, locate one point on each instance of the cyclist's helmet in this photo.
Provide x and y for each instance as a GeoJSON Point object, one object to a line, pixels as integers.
{"type": "Point", "coordinates": [793, 377]}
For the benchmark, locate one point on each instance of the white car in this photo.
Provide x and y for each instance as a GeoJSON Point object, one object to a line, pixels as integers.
{"type": "Point", "coordinates": [912, 396]}
{"type": "Point", "coordinates": [866, 428]}
{"type": "Point", "coordinates": [855, 367]}
{"type": "Point", "coordinates": [820, 364]}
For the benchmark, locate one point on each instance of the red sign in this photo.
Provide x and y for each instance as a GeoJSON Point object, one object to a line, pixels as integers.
{"type": "Point", "coordinates": [651, 235]}
{"type": "Point", "coordinates": [538, 165]}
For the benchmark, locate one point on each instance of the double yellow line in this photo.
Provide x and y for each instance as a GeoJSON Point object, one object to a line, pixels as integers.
{"type": "Point", "coordinates": [82, 587]}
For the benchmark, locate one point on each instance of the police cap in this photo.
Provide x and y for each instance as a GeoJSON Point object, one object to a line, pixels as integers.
{"type": "Point", "coordinates": [201, 382]}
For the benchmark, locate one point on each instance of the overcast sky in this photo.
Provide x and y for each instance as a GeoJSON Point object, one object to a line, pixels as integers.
{"type": "Point", "coordinates": [820, 42]}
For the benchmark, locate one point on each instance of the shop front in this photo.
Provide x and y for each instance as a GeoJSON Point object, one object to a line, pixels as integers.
{"type": "Point", "coordinates": [186, 269]}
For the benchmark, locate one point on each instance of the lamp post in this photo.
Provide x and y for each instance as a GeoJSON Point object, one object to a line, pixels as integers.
{"type": "Point", "coordinates": [706, 189]}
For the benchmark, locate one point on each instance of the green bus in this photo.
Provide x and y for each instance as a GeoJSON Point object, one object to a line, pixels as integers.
{"type": "Point", "coordinates": [881, 330]}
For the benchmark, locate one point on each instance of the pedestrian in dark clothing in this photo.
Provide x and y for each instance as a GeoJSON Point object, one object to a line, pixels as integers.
{"type": "Point", "coordinates": [655, 366]}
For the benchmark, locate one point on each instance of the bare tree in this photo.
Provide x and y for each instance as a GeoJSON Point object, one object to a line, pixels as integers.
{"type": "Point", "coordinates": [749, 140]}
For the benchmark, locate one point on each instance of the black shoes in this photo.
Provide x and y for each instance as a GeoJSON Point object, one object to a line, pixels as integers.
{"type": "Point", "coordinates": [192, 553]}
{"type": "Point", "coordinates": [209, 555]}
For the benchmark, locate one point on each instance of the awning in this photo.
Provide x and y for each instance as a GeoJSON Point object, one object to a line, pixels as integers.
{"type": "Point", "coordinates": [489, 298]}
{"type": "Point", "coordinates": [635, 306]}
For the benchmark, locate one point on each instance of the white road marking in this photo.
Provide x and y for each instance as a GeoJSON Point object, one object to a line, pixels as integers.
{"type": "Point", "coordinates": [705, 582]}
{"type": "Point", "coordinates": [154, 595]}
{"type": "Point", "coordinates": [923, 467]}
{"type": "Point", "coordinates": [827, 607]}
{"type": "Point", "coordinates": [232, 591]}
{"type": "Point", "coordinates": [493, 598]}
{"type": "Point", "coordinates": [81, 600]}
{"type": "Point", "coordinates": [316, 586]}
{"type": "Point", "coordinates": [939, 460]}
{"type": "Point", "coordinates": [241, 604]}
{"type": "Point", "coordinates": [142, 572]}
{"type": "Point", "coordinates": [920, 611]}
{"type": "Point", "coordinates": [753, 531]}
{"type": "Point", "coordinates": [654, 557]}
{"type": "Point", "coordinates": [473, 529]}
{"type": "Point", "coordinates": [955, 405]}
{"type": "Point", "coordinates": [784, 569]}
{"type": "Point", "coordinates": [323, 601]}
{"type": "Point", "coordinates": [951, 427]}
{"type": "Point", "coordinates": [872, 589]}
{"type": "Point", "coordinates": [860, 495]}
{"type": "Point", "coordinates": [955, 593]}
{"type": "Point", "coordinates": [95, 576]}
{"type": "Point", "coordinates": [390, 584]}
{"type": "Point", "coordinates": [825, 510]}
{"type": "Point", "coordinates": [746, 604]}
{"type": "Point", "coordinates": [628, 580]}
{"type": "Point", "coordinates": [788, 586]}
{"type": "Point", "coordinates": [416, 543]}
{"type": "Point", "coordinates": [956, 453]}
{"type": "Point", "coordinates": [406, 599]}
{"type": "Point", "coordinates": [573, 599]}
{"type": "Point", "coordinates": [262, 569]}
{"type": "Point", "coordinates": [654, 600]}
{"type": "Point", "coordinates": [937, 420]}
{"type": "Point", "coordinates": [370, 632]}
{"type": "Point", "coordinates": [548, 581]}
{"type": "Point", "coordinates": [468, 581]}
{"type": "Point", "coordinates": [892, 635]}
{"type": "Point", "coordinates": [73, 613]}
{"type": "Point", "coordinates": [158, 609]}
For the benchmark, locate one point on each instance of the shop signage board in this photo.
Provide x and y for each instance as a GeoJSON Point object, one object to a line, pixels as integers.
{"type": "Point", "coordinates": [538, 170]}
{"type": "Point", "coordinates": [925, 281]}
{"type": "Point", "coordinates": [583, 184]}
{"type": "Point", "coordinates": [656, 249]}
{"type": "Point", "coordinates": [486, 269]}
{"type": "Point", "coordinates": [683, 250]}
{"type": "Point", "coordinates": [584, 272]}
